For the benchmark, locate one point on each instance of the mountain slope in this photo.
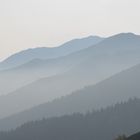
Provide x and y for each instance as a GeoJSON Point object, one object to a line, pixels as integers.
{"type": "Point", "coordinates": [49, 53]}
{"type": "Point", "coordinates": [37, 68]}
{"type": "Point", "coordinates": [109, 57]}
{"type": "Point", "coordinates": [134, 137]}
{"type": "Point", "coordinates": [106, 124]}
{"type": "Point", "coordinates": [119, 87]}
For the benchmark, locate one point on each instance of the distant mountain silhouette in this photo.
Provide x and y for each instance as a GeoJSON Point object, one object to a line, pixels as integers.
{"type": "Point", "coordinates": [117, 88]}
{"type": "Point", "coordinates": [35, 68]}
{"type": "Point", "coordinates": [92, 65]}
{"type": "Point", "coordinates": [49, 53]}
{"type": "Point", "coordinates": [105, 124]}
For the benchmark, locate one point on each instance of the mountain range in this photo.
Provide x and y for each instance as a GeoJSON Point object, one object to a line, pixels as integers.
{"type": "Point", "coordinates": [119, 87]}
{"type": "Point", "coordinates": [30, 65]}
{"type": "Point", "coordinates": [80, 76]}
{"type": "Point", "coordinates": [85, 67]}
{"type": "Point", "coordinates": [49, 53]}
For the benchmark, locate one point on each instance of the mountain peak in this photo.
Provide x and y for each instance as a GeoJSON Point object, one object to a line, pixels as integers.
{"type": "Point", "coordinates": [125, 35]}
{"type": "Point", "coordinates": [94, 36]}
{"type": "Point", "coordinates": [129, 39]}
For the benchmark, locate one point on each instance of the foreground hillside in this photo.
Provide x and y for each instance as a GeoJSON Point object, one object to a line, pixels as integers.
{"type": "Point", "coordinates": [134, 137]}
{"type": "Point", "coordinates": [105, 124]}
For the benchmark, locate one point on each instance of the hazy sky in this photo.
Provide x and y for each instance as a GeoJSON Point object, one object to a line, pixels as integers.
{"type": "Point", "coordinates": [34, 23]}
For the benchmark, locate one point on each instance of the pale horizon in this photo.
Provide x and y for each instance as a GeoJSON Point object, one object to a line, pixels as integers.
{"type": "Point", "coordinates": [50, 23]}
